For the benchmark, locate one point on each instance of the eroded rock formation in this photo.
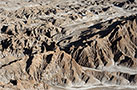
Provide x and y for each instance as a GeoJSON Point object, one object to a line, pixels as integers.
{"type": "Point", "coordinates": [68, 44]}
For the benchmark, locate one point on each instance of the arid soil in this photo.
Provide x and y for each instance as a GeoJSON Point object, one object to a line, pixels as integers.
{"type": "Point", "coordinates": [68, 44]}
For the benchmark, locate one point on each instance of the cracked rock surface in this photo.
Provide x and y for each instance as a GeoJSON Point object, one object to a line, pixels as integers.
{"type": "Point", "coordinates": [68, 44]}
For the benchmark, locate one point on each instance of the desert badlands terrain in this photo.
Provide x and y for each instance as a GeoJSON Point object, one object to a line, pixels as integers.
{"type": "Point", "coordinates": [68, 44]}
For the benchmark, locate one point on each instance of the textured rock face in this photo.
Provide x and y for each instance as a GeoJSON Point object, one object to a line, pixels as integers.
{"type": "Point", "coordinates": [57, 44]}
{"type": "Point", "coordinates": [116, 42]}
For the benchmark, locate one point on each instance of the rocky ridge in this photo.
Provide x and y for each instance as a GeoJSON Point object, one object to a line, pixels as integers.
{"type": "Point", "coordinates": [68, 44]}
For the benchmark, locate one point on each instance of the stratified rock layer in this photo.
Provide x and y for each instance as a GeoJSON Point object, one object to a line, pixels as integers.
{"type": "Point", "coordinates": [71, 44]}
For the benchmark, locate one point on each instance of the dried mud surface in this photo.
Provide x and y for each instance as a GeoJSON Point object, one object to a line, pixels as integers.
{"type": "Point", "coordinates": [68, 44]}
